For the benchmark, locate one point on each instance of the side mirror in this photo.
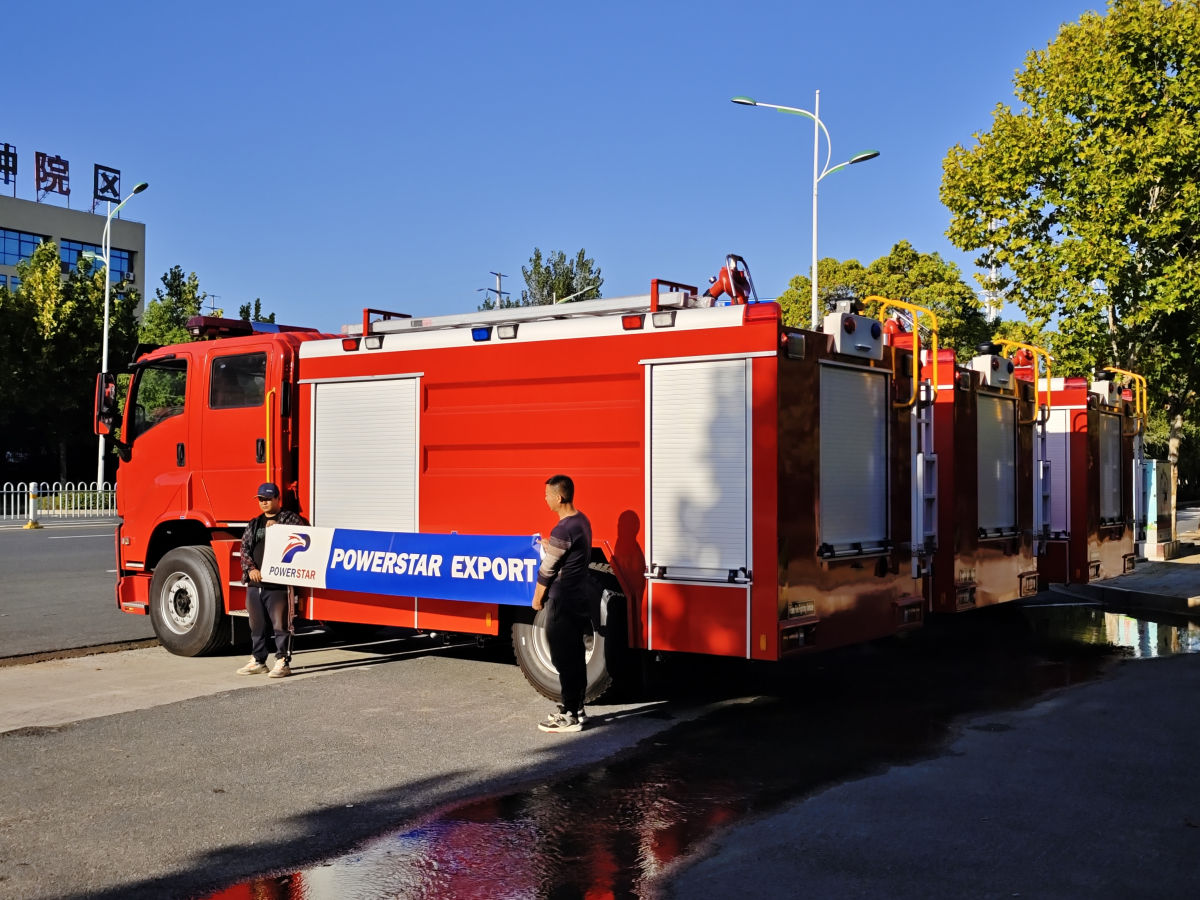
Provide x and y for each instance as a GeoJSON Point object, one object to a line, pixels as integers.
{"type": "Point", "coordinates": [106, 403]}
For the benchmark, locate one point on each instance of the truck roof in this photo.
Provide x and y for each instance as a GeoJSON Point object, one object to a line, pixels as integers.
{"type": "Point", "coordinates": [394, 322]}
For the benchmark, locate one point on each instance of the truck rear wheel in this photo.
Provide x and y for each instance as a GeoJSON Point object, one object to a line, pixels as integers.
{"type": "Point", "coordinates": [533, 652]}
{"type": "Point", "coordinates": [186, 605]}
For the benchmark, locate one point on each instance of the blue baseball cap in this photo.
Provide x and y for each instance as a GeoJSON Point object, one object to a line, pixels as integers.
{"type": "Point", "coordinates": [267, 491]}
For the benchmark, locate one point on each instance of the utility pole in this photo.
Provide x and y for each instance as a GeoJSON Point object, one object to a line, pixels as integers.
{"type": "Point", "coordinates": [500, 294]}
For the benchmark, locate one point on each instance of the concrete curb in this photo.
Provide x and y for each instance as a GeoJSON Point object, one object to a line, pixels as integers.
{"type": "Point", "coordinates": [56, 522]}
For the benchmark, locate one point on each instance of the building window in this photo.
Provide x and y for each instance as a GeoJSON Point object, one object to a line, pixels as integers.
{"type": "Point", "coordinates": [122, 260]}
{"type": "Point", "coordinates": [12, 282]}
{"type": "Point", "coordinates": [17, 245]}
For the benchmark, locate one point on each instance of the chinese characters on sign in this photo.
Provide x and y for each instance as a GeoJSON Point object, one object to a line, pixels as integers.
{"type": "Point", "coordinates": [53, 176]}
{"type": "Point", "coordinates": [106, 185]}
{"type": "Point", "coordinates": [8, 165]}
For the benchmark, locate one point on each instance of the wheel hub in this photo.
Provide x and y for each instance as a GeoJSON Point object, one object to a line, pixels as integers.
{"type": "Point", "coordinates": [178, 603]}
{"type": "Point", "coordinates": [541, 647]}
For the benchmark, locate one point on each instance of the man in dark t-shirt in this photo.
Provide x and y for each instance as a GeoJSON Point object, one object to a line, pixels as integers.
{"type": "Point", "coordinates": [561, 582]}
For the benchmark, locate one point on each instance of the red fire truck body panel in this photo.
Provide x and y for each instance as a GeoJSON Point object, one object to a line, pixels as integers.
{"type": "Point", "coordinates": [985, 454]}
{"type": "Point", "coordinates": [496, 420]}
{"type": "Point", "coordinates": [1091, 456]}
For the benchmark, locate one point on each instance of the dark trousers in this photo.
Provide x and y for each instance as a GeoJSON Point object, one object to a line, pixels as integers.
{"type": "Point", "coordinates": [567, 624]}
{"type": "Point", "coordinates": [268, 611]}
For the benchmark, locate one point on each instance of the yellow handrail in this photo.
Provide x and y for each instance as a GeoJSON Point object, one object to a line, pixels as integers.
{"type": "Point", "coordinates": [1139, 393]}
{"type": "Point", "coordinates": [916, 332]}
{"type": "Point", "coordinates": [267, 455]}
{"type": "Point", "coordinates": [1036, 351]}
{"type": "Point", "coordinates": [1140, 404]}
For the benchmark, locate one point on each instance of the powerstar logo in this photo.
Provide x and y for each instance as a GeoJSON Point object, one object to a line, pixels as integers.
{"type": "Point", "coordinates": [296, 543]}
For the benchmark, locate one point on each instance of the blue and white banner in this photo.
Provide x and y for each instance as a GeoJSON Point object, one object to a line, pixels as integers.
{"type": "Point", "coordinates": [477, 567]}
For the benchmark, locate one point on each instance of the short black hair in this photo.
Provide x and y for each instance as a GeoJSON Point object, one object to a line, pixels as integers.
{"type": "Point", "coordinates": [564, 485]}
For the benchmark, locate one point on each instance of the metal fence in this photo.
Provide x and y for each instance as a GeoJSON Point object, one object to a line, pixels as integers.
{"type": "Point", "coordinates": [58, 500]}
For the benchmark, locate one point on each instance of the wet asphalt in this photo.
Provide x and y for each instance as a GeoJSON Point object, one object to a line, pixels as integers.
{"type": "Point", "coordinates": [1059, 779]}
{"type": "Point", "coordinates": [1092, 791]}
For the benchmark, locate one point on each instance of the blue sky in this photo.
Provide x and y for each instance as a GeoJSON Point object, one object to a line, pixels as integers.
{"type": "Point", "coordinates": [327, 157]}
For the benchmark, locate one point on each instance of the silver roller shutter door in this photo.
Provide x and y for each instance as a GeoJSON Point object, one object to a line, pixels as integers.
{"type": "Point", "coordinates": [1110, 466]}
{"type": "Point", "coordinates": [699, 519]}
{"type": "Point", "coordinates": [997, 454]}
{"type": "Point", "coordinates": [854, 457]}
{"type": "Point", "coordinates": [1058, 443]}
{"type": "Point", "coordinates": [365, 454]}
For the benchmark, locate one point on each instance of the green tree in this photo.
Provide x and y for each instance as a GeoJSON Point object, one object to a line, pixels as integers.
{"type": "Point", "coordinates": [1087, 196]}
{"type": "Point", "coordinates": [554, 278]}
{"type": "Point", "coordinates": [165, 319]}
{"type": "Point", "coordinates": [64, 321]}
{"type": "Point", "coordinates": [924, 279]}
{"type": "Point", "coordinates": [836, 281]}
{"type": "Point", "coordinates": [17, 340]}
{"type": "Point", "coordinates": [246, 314]}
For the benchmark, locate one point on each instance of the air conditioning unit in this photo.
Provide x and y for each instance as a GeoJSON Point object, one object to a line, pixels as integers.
{"type": "Point", "coordinates": [128, 278]}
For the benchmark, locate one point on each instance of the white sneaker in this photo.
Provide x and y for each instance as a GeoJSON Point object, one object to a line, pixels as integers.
{"type": "Point", "coordinates": [254, 667]}
{"type": "Point", "coordinates": [281, 670]}
{"type": "Point", "coordinates": [559, 722]}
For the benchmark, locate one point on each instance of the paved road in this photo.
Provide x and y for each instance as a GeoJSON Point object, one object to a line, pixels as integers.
{"type": "Point", "coordinates": [1088, 793]}
{"type": "Point", "coordinates": [187, 795]}
{"type": "Point", "coordinates": [144, 775]}
{"type": "Point", "coordinates": [56, 590]}
{"type": "Point", "coordinates": [1187, 522]}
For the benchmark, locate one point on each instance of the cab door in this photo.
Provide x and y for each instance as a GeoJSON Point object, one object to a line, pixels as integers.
{"type": "Point", "coordinates": [155, 473]}
{"type": "Point", "coordinates": [239, 440]}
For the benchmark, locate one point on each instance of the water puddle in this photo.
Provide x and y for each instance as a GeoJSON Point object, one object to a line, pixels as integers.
{"type": "Point", "coordinates": [608, 832]}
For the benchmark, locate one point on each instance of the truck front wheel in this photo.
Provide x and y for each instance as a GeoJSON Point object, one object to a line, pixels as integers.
{"type": "Point", "coordinates": [602, 647]}
{"type": "Point", "coordinates": [186, 605]}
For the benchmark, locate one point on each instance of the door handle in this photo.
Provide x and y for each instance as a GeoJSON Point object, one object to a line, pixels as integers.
{"type": "Point", "coordinates": [260, 450]}
{"type": "Point", "coordinates": [180, 455]}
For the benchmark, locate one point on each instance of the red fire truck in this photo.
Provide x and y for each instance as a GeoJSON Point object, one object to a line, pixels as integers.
{"type": "Point", "coordinates": [984, 423]}
{"type": "Point", "coordinates": [1091, 431]}
{"type": "Point", "coordinates": [750, 485]}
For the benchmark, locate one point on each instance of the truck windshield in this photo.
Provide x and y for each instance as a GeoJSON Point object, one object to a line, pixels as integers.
{"type": "Point", "coordinates": [158, 394]}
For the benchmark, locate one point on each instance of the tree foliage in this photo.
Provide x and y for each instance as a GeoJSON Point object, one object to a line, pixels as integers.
{"type": "Point", "coordinates": [554, 278]}
{"type": "Point", "coordinates": [247, 314]}
{"type": "Point", "coordinates": [165, 319]}
{"type": "Point", "coordinates": [923, 279]}
{"type": "Point", "coordinates": [51, 352]}
{"type": "Point", "coordinates": [1087, 195]}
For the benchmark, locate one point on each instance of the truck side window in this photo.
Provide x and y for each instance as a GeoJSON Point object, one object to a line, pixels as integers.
{"type": "Point", "coordinates": [237, 381]}
{"type": "Point", "coordinates": [159, 394]}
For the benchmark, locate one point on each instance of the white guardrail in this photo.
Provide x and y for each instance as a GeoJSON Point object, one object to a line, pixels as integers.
{"type": "Point", "coordinates": [29, 501]}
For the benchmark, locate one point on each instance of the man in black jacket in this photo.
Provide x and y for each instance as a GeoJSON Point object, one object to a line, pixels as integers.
{"type": "Point", "coordinates": [561, 583]}
{"type": "Point", "coordinates": [267, 604]}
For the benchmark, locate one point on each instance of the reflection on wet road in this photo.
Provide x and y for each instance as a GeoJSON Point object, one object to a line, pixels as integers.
{"type": "Point", "coordinates": [608, 832]}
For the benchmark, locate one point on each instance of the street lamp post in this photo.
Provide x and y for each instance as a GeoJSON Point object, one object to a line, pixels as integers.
{"type": "Point", "coordinates": [818, 173]}
{"type": "Point", "coordinates": [106, 246]}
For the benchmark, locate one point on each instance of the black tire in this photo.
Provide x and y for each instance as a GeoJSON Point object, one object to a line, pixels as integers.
{"type": "Point", "coordinates": [186, 603]}
{"type": "Point", "coordinates": [533, 653]}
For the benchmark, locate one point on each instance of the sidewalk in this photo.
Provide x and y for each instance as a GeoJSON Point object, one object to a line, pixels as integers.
{"type": "Point", "coordinates": [1171, 587]}
{"type": "Point", "coordinates": [51, 521]}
